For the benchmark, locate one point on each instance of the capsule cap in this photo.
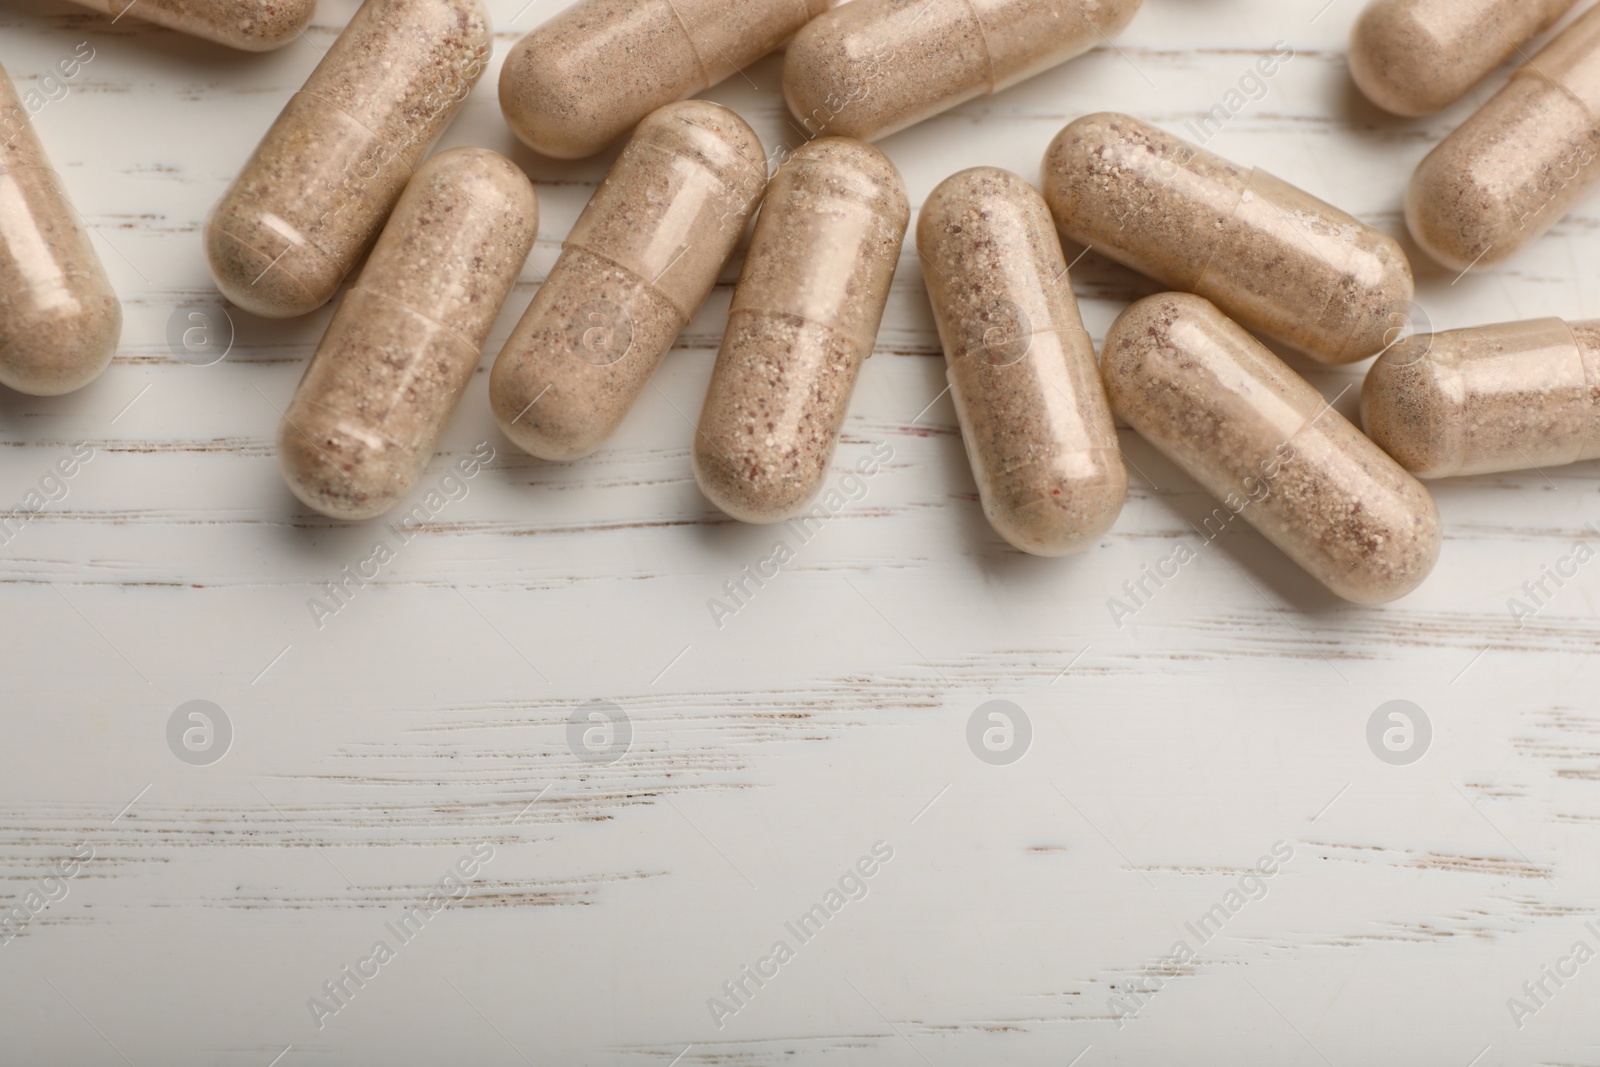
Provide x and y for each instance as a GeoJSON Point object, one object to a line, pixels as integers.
{"type": "Point", "coordinates": [1505, 176]}
{"type": "Point", "coordinates": [1412, 405]}
{"type": "Point", "coordinates": [691, 154]}
{"type": "Point", "coordinates": [840, 204]}
{"type": "Point", "coordinates": [60, 320]}
{"type": "Point", "coordinates": [249, 25]}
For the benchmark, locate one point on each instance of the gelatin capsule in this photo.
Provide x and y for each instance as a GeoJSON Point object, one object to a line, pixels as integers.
{"type": "Point", "coordinates": [1022, 371]}
{"type": "Point", "coordinates": [586, 77]}
{"type": "Point", "coordinates": [804, 317]}
{"type": "Point", "coordinates": [1519, 164]}
{"type": "Point", "coordinates": [405, 342]}
{"type": "Point", "coordinates": [1256, 436]}
{"type": "Point", "coordinates": [1415, 57]}
{"type": "Point", "coordinates": [634, 270]}
{"type": "Point", "coordinates": [870, 68]}
{"type": "Point", "coordinates": [253, 25]}
{"type": "Point", "coordinates": [1515, 396]}
{"type": "Point", "coordinates": [325, 177]}
{"type": "Point", "coordinates": [60, 321]}
{"type": "Point", "coordinates": [1272, 256]}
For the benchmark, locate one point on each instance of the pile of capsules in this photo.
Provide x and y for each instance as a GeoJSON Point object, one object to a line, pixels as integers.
{"type": "Point", "coordinates": [340, 174]}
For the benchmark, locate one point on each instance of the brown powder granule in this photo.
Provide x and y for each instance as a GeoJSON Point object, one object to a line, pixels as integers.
{"type": "Point", "coordinates": [1256, 436]}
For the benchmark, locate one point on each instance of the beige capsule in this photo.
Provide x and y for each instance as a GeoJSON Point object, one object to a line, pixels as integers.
{"type": "Point", "coordinates": [313, 197]}
{"type": "Point", "coordinates": [405, 342]}
{"type": "Point", "coordinates": [1519, 164]}
{"type": "Point", "coordinates": [634, 270]}
{"type": "Point", "coordinates": [870, 68]}
{"type": "Point", "coordinates": [1415, 57]}
{"type": "Point", "coordinates": [1514, 396]}
{"type": "Point", "coordinates": [1256, 436]}
{"type": "Point", "coordinates": [1022, 371]}
{"type": "Point", "coordinates": [253, 25]}
{"type": "Point", "coordinates": [60, 321]}
{"type": "Point", "coordinates": [583, 79]}
{"type": "Point", "coordinates": [804, 317]}
{"type": "Point", "coordinates": [1270, 255]}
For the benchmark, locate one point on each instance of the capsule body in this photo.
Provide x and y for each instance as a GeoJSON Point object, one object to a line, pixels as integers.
{"type": "Point", "coordinates": [1514, 396]}
{"type": "Point", "coordinates": [1415, 57]}
{"type": "Point", "coordinates": [1519, 164]}
{"type": "Point", "coordinates": [1027, 392]}
{"type": "Point", "coordinates": [253, 25]}
{"type": "Point", "coordinates": [870, 68]}
{"type": "Point", "coordinates": [59, 318]}
{"type": "Point", "coordinates": [634, 270]}
{"type": "Point", "coordinates": [325, 177]}
{"type": "Point", "coordinates": [804, 318]}
{"type": "Point", "coordinates": [1270, 255]}
{"type": "Point", "coordinates": [586, 77]}
{"type": "Point", "coordinates": [404, 343]}
{"type": "Point", "coordinates": [1262, 441]}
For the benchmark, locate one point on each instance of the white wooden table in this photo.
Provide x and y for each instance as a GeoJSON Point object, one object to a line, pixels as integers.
{"type": "Point", "coordinates": [199, 908]}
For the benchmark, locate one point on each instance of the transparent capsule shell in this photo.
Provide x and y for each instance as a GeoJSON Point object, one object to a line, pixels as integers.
{"type": "Point", "coordinates": [1513, 396]}
{"type": "Point", "coordinates": [587, 76]}
{"type": "Point", "coordinates": [1264, 443]}
{"type": "Point", "coordinates": [1027, 391]}
{"type": "Point", "coordinates": [313, 197]}
{"type": "Point", "coordinates": [636, 267]}
{"type": "Point", "coordinates": [1520, 163]}
{"type": "Point", "coordinates": [871, 68]}
{"type": "Point", "coordinates": [60, 320]}
{"type": "Point", "coordinates": [404, 344]}
{"type": "Point", "coordinates": [250, 25]}
{"type": "Point", "coordinates": [804, 318]}
{"type": "Point", "coordinates": [1416, 57]}
{"type": "Point", "coordinates": [1270, 255]}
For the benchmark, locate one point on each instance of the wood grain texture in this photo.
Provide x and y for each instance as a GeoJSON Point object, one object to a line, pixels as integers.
{"type": "Point", "coordinates": [1029, 911]}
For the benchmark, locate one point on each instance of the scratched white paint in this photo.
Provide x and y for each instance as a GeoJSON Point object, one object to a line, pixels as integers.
{"type": "Point", "coordinates": [425, 721]}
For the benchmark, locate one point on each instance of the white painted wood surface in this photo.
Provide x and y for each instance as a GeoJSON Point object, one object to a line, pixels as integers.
{"type": "Point", "coordinates": [428, 715]}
